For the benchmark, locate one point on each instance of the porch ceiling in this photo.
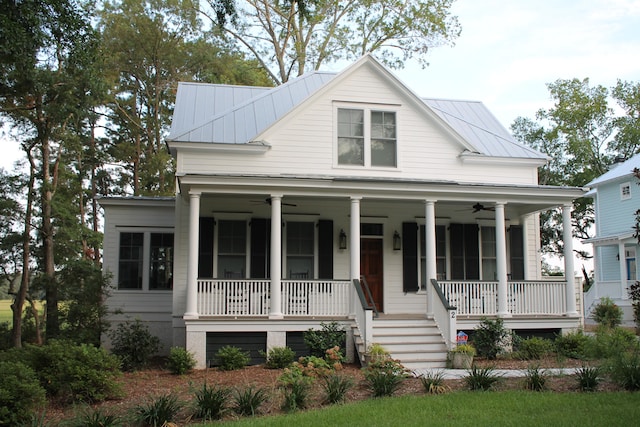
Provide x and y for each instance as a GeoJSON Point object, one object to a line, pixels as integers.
{"type": "Point", "coordinates": [313, 196]}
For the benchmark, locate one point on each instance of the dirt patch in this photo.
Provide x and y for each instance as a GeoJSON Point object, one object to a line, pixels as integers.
{"type": "Point", "coordinates": [141, 387]}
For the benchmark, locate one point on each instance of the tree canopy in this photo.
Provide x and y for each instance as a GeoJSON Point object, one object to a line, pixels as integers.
{"type": "Point", "coordinates": [586, 130]}
{"type": "Point", "coordinates": [292, 37]}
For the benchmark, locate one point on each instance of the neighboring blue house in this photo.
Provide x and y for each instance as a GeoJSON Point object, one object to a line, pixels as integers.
{"type": "Point", "coordinates": [616, 196]}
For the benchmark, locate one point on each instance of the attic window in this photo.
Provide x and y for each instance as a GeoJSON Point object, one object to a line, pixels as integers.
{"type": "Point", "coordinates": [367, 137]}
{"type": "Point", "coordinates": [625, 191]}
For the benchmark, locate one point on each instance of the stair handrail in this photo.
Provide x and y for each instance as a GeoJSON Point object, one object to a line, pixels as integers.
{"type": "Point", "coordinates": [365, 303]}
{"type": "Point", "coordinates": [364, 318]}
{"type": "Point", "coordinates": [444, 314]}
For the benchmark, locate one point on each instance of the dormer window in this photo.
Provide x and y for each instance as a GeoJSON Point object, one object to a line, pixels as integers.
{"type": "Point", "coordinates": [367, 137]}
{"type": "Point", "coordinates": [625, 191]}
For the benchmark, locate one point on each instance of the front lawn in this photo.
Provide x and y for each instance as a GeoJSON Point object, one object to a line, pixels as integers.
{"type": "Point", "coordinates": [463, 408]}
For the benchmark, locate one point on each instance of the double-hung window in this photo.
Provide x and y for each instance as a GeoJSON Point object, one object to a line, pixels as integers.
{"type": "Point", "coordinates": [300, 249]}
{"type": "Point", "coordinates": [367, 137]}
{"type": "Point", "coordinates": [145, 261]}
{"type": "Point", "coordinates": [232, 249]}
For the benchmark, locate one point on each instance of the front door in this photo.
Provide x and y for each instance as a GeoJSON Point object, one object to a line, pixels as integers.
{"type": "Point", "coordinates": [371, 268]}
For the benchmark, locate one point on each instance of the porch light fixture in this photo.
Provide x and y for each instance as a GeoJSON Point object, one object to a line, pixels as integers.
{"type": "Point", "coordinates": [342, 241]}
{"type": "Point", "coordinates": [397, 243]}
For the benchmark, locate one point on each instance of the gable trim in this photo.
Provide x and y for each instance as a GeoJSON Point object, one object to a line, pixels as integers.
{"type": "Point", "coordinates": [251, 147]}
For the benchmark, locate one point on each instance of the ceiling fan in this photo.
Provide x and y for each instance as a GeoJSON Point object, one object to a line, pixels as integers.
{"type": "Point", "coordinates": [268, 202]}
{"type": "Point", "coordinates": [480, 207]}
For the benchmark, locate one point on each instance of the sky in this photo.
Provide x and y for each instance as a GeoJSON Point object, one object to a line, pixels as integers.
{"type": "Point", "coordinates": [510, 49]}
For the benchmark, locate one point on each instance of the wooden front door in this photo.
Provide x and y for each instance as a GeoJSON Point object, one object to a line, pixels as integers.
{"type": "Point", "coordinates": [371, 268]}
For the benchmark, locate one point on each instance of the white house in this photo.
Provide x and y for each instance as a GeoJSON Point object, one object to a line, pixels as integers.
{"type": "Point", "coordinates": [288, 196]}
{"type": "Point", "coordinates": [616, 197]}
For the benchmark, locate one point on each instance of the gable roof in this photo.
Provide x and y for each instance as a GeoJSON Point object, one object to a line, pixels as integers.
{"type": "Point", "coordinates": [622, 170]}
{"type": "Point", "coordinates": [226, 114]}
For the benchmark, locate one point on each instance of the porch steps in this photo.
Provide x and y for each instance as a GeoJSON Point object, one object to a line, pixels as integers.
{"type": "Point", "coordinates": [416, 343]}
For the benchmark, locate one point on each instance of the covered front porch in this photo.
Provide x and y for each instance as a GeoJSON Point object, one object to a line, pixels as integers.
{"type": "Point", "coordinates": [482, 256]}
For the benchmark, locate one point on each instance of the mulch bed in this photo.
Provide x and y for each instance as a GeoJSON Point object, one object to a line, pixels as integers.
{"type": "Point", "coordinates": [143, 386]}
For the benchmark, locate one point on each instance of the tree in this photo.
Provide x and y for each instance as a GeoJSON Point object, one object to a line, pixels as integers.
{"type": "Point", "coordinates": [45, 80]}
{"type": "Point", "coordinates": [582, 136]}
{"type": "Point", "coordinates": [292, 37]}
{"type": "Point", "coordinates": [151, 45]}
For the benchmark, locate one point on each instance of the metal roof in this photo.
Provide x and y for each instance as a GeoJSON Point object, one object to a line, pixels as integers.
{"type": "Point", "coordinates": [621, 170]}
{"type": "Point", "coordinates": [210, 113]}
{"type": "Point", "coordinates": [476, 124]}
{"type": "Point", "coordinates": [201, 117]}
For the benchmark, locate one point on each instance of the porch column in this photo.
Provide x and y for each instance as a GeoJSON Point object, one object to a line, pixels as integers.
{"type": "Point", "coordinates": [430, 240]}
{"type": "Point", "coordinates": [524, 220]}
{"type": "Point", "coordinates": [622, 259]}
{"type": "Point", "coordinates": [276, 257]}
{"type": "Point", "coordinates": [354, 238]}
{"type": "Point", "coordinates": [501, 261]}
{"type": "Point", "coordinates": [192, 264]}
{"type": "Point", "coordinates": [569, 274]}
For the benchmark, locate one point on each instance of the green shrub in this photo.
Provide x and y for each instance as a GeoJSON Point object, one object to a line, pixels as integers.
{"type": "Point", "coordinates": [534, 348]}
{"type": "Point", "coordinates": [573, 345]}
{"type": "Point", "coordinates": [330, 335]}
{"type": "Point", "coordinates": [159, 411]}
{"type": "Point", "coordinates": [488, 338]}
{"type": "Point", "coordinates": [95, 418]}
{"type": "Point", "coordinates": [133, 344]}
{"type": "Point", "coordinates": [280, 357]}
{"type": "Point", "coordinates": [607, 314]}
{"type": "Point", "coordinates": [230, 358]}
{"type": "Point", "coordinates": [211, 402]}
{"type": "Point", "coordinates": [535, 379]}
{"type": "Point", "coordinates": [607, 343]}
{"type": "Point", "coordinates": [248, 401]}
{"type": "Point", "coordinates": [384, 376]}
{"type": "Point", "coordinates": [180, 361]}
{"type": "Point", "coordinates": [433, 382]}
{"type": "Point", "coordinates": [6, 339]}
{"type": "Point", "coordinates": [74, 373]}
{"type": "Point", "coordinates": [335, 388]}
{"type": "Point", "coordinates": [625, 370]}
{"type": "Point", "coordinates": [481, 378]}
{"type": "Point", "coordinates": [21, 395]}
{"type": "Point", "coordinates": [588, 378]}
{"type": "Point", "coordinates": [295, 387]}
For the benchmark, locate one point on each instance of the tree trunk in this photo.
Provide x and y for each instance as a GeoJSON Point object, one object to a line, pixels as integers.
{"type": "Point", "coordinates": [21, 296]}
{"type": "Point", "coordinates": [51, 287]}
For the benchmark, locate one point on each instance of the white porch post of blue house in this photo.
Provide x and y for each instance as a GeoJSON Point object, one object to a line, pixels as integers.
{"type": "Point", "coordinates": [276, 257]}
{"type": "Point", "coordinates": [430, 241]}
{"type": "Point", "coordinates": [569, 274]}
{"type": "Point", "coordinates": [622, 259]}
{"type": "Point", "coordinates": [501, 261]}
{"type": "Point", "coordinates": [191, 311]}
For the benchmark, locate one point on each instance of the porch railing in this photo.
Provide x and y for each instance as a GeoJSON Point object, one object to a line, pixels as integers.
{"type": "Point", "coordinates": [524, 297]}
{"type": "Point", "coordinates": [444, 315]}
{"type": "Point", "coordinates": [252, 297]}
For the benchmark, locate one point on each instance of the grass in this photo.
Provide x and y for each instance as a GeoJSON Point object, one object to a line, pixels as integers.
{"type": "Point", "coordinates": [513, 408]}
{"type": "Point", "coordinates": [6, 315]}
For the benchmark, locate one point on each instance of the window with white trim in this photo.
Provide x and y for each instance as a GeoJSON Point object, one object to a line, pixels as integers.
{"type": "Point", "coordinates": [625, 191]}
{"type": "Point", "coordinates": [488, 248]}
{"type": "Point", "coordinates": [300, 250]}
{"type": "Point", "coordinates": [367, 137]}
{"type": "Point", "coordinates": [232, 249]}
{"type": "Point", "coordinates": [145, 261]}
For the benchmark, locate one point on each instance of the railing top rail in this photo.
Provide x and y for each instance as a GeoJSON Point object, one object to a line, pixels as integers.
{"type": "Point", "coordinates": [444, 301]}
{"type": "Point", "coordinates": [362, 298]}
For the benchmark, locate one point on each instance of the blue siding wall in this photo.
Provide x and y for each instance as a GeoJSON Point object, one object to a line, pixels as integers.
{"type": "Point", "coordinates": [616, 216]}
